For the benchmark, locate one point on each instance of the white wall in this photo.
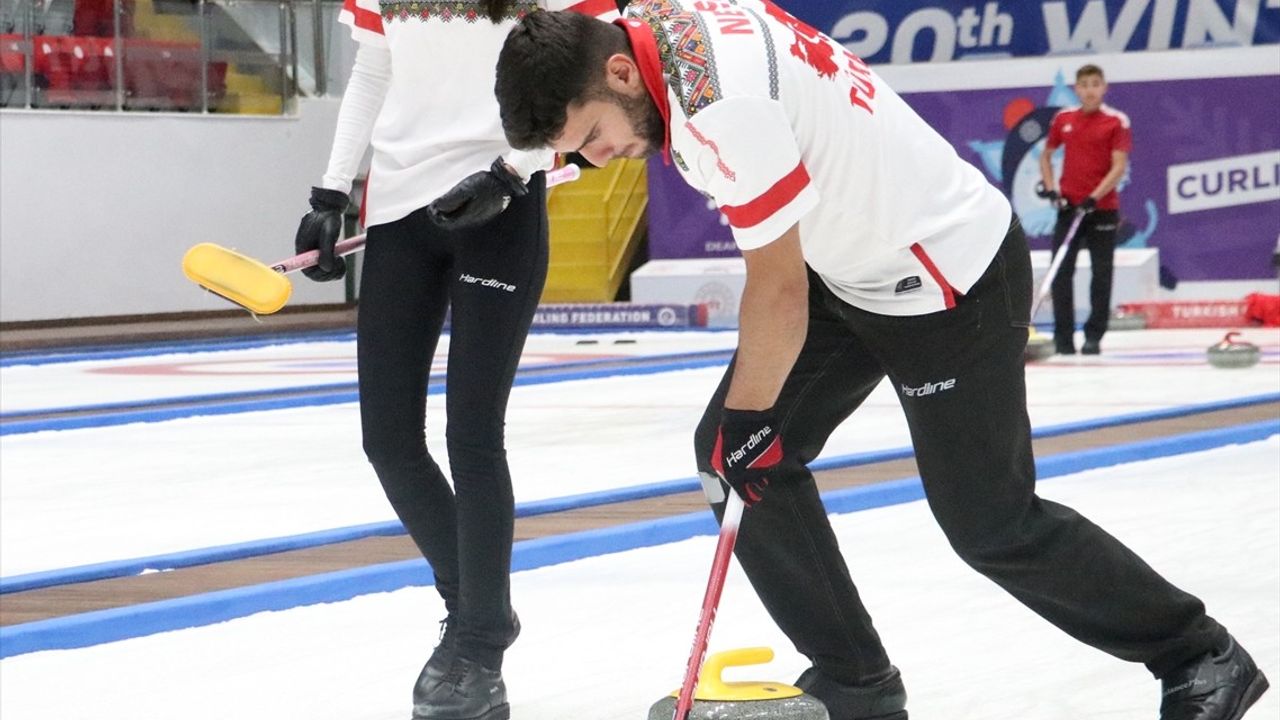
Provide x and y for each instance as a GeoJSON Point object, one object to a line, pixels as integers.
{"type": "Point", "coordinates": [96, 209]}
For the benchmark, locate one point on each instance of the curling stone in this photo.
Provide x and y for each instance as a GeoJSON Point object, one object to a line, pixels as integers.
{"type": "Point", "coordinates": [716, 699]}
{"type": "Point", "coordinates": [1232, 353]}
{"type": "Point", "coordinates": [1122, 320]}
{"type": "Point", "coordinates": [1039, 347]}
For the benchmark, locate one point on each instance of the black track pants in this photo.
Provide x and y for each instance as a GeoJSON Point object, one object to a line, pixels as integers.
{"type": "Point", "coordinates": [959, 377]}
{"type": "Point", "coordinates": [1097, 233]}
{"type": "Point", "coordinates": [493, 277]}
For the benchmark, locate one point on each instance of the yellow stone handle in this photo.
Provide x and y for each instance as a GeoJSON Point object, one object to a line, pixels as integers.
{"type": "Point", "coordinates": [711, 686]}
{"type": "Point", "coordinates": [710, 680]}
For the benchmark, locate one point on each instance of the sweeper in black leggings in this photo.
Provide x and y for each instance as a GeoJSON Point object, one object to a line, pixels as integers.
{"type": "Point", "coordinates": [492, 276]}
{"type": "Point", "coordinates": [420, 96]}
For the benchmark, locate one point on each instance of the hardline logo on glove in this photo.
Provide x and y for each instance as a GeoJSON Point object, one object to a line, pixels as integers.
{"type": "Point", "coordinates": [747, 451]}
{"type": "Point", "coordinates": [771, 455]}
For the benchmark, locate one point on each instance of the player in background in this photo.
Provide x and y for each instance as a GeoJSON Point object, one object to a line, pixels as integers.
{"type": "Point", "coordinates": [421, 93]}
{"type": "Point", "coordinates": [1097, 143]}
{"type": "Point", "coordinates": [871, 250]}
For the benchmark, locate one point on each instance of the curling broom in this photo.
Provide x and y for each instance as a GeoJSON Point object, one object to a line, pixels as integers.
{"type": "Point", "coordinates": [1039, 346]}
{"type": "Point", "coordinates": [263, 289]}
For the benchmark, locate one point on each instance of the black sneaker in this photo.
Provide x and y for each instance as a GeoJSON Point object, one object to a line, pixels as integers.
{"type": "Point", "coordinates": [1091, 347]}
{"type": "Point", "coordinates": [884, 699]}
{"type": "Point", "coordinates": [1064, 348]}
{"type": "Point", "coordinates": [1215, 686]}
{"type": "Point", "coordinates": [468, 691]}
{"type": "Point", "coordinates": [442, 657]}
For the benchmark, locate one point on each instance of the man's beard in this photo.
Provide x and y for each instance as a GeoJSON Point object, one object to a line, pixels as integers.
{"type": "Point", "coordinates": [646, 122]}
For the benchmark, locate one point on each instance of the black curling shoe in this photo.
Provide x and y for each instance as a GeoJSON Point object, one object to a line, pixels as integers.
{"type": "Point", "coordinates": [884, 699]}
{"type": "Point", "coordinates": [442, 657]}
{"type": "Point", "coordinates": [1216, 686]}
{"type": "Point", "coordinates": [440, 661]}
{"type": "Point", "coordinates": [468, 691]}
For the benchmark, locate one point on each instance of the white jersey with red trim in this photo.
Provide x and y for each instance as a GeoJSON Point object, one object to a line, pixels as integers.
{"type": "Point", "coordinates": [781, 125]}
{"type": "Point", "coordinates": [439, 121]}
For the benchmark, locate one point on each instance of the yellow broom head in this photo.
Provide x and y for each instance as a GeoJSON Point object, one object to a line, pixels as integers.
{"type": "Point", "coordinates": [236, 277]}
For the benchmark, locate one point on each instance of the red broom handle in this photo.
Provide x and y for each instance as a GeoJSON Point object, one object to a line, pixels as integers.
{"type": "Point", "coordinates": [710, 602]}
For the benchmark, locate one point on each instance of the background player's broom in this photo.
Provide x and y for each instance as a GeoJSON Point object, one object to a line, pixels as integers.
{"type": "Point", "coordinates": [1039, 345]}
{"type": "Point", "coordinates": [263, 289]}
{"type": "Point", "coordinates": [715, 699]}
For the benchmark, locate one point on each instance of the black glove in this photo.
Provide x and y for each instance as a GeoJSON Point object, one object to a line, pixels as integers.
{"type": "Point", "coordinates": [748, 449]}
{"type": "Point", "coordinates": [1052, 196]}
{"type": "Point", "coordinates": [319, 230]}
{"type": "Point", "coordinates": [478, 198]}
{"type": "Point", "coordinates": [1088, 206]}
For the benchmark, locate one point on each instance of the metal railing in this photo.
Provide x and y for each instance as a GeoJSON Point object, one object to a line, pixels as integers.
{"type": "Point", "coordinates": [195, 56]}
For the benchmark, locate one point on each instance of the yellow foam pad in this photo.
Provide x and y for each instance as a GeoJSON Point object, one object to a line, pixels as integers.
{"type": "Point", "coordinates": [236, 277]}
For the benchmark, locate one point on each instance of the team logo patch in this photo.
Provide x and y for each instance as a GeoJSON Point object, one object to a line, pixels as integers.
{"type": "Point", "coordinates": [908, 284]}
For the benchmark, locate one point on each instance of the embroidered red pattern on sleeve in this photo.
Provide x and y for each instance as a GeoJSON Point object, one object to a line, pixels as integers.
{"type": "Point", "coordinates": [724, 169]}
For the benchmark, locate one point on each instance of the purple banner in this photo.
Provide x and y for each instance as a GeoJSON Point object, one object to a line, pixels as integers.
{"type": "Point", "coordinates": [902, 31]}
{"type": "Point", "coordinates": [1203, 183]}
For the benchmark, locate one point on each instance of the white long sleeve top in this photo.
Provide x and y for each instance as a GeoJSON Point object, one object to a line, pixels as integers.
{"type": "Point", "coordinates": [421, 93]}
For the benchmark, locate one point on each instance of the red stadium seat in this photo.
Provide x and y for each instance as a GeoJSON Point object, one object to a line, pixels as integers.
{"type": "Point", "coordinates": [80, 71]}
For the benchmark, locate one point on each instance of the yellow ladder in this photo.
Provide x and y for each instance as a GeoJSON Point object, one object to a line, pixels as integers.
{"type": "Point", "coordinates": [596, 225]}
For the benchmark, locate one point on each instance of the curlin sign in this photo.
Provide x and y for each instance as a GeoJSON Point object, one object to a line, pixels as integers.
{"type": "Point", "coordinates": [905, 31]}
{"type": "Point", "coordinates": [1224, 182]}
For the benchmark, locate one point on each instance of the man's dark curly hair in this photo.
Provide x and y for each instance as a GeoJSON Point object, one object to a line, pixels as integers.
{"type": "Point", "coordinates": [552, 60]}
